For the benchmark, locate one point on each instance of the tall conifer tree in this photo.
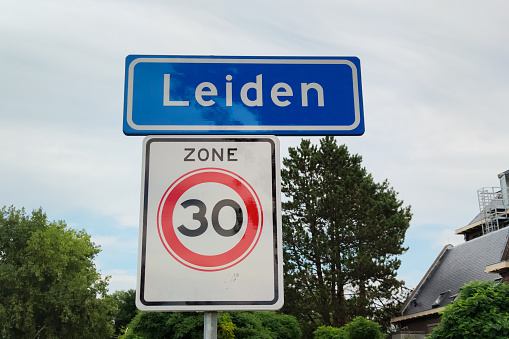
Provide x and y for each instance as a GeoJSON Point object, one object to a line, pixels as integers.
{"type": "Point", "coordinates": [343, 233]}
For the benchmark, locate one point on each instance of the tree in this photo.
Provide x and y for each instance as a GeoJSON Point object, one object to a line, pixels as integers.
{"type": "Point", "coordinates": [49, 286]}
{"type": "Point", "coordinates": [481, 311]}
{"type": "Point", "coordinates": [125, 302]}
{"type": "Point", "coordinates": [342, 234]}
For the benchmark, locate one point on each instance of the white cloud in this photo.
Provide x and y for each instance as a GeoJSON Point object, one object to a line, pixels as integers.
{"type": "Point", "coordinates": [105, 240]}
{"type": "Point", "coordinates": [413, 278]}
{"type": "Point", "coordinates": [448, 237]}
{"type": "Point", "coordinates": [47, 165]}
{"type": "Point", "coordinates": [120, 280]}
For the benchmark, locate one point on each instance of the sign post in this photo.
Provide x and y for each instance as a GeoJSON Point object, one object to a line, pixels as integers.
{"type": "Point", "coordinates": [210, 225]}
{"type": "Point", "coordinates": [210, 325]}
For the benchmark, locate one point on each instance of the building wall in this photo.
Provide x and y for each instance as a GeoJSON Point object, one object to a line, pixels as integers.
{"type": "Point", "coordinates": [505, 255]}
{"type": "Point", "coordinates": [505, 276]}
{"type": "Point", "coordinates": [409, 335]}
{"type": "Point", "coordinates": [472, 234]}
{"type": "Point", "coordinates": [422, 324]}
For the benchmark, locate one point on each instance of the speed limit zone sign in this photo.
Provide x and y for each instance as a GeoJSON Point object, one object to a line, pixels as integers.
{"type": "Point", "coordinates": [210, 227]}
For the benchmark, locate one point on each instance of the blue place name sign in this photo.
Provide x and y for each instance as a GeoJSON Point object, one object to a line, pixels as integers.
{"type": "Point", "coordinates": [243, 95]}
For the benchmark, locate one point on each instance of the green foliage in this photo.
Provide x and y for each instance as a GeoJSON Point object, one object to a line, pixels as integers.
{"type": "Point", "coordinates": [159, 325]}
{"type": "Point", "coordinates": [249, 325]}
{"type": "Point", "coordinates": [49, 286]}
{"type": "Point", "coordinates": [342, 235]}
{"type": "Point", "coordinates": [481, 311]}
{"type": "Point", "coordinates": [225, 327]}
{"type": "Point", "coordinates": [362, 328]}
{"type": "Point", "coordinates": [239, 325]}
{"type": "Point", "coordinates": [359, 328]}
{"type": "Point", "coordinates": [281, 325]}
{"type": "Point", "coordinates": [265, 324]}
{"type": "Point", "coordinates": [329, 332]}
{"type": "Point", "coordinates": [126, 309]}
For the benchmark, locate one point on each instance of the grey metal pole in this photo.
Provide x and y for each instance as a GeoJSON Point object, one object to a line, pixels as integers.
{"type": "Point", "coordinates": [210, 325]}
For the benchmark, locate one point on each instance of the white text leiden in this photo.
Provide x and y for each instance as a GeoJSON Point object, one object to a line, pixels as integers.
{"type": "Point", "coordinates": [281, 93]}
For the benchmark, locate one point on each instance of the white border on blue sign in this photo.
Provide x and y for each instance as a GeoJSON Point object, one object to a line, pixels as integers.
{"type": "Point", "coordinates": [137, 127]}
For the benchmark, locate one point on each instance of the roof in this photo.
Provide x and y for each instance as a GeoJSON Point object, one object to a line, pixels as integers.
{"type": "Point", "coordinates": [454, 267]}
{"type": "Point", "coordinates": [471, 226]}
{"type": "Point", "coordinates": [480, 218]}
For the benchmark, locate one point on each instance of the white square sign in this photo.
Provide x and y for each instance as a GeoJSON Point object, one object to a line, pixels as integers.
{"type": "Point", "coordinates": [210, 227]}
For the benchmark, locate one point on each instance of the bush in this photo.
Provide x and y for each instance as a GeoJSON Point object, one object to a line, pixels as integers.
{"type": "Point", "coordinates": [359, 328]}
{"type": "Point", "coordinates": [239, 325]}
{"type": "Point", "coordinates": [159, 325]}
{"type": "Point", "coordinates": [481, 311]}
{"type": "Point", "coordinates": [362, 328]}
{"type": "Point", "coordinates": [281, 325]}
{"type": "Point", "coordinates": [329, 332]}
{"type": "Point", "coordinates": [225, 327]}
{"type": "Point", "coordinates": [265, 324]}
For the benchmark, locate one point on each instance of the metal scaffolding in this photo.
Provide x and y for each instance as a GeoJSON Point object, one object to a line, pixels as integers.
{"type": "Point", "coordinates": [493, 204]}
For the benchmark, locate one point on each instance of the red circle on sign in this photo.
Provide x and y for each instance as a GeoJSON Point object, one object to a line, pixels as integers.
{"type": "Point", "coordinates": [220, 261]}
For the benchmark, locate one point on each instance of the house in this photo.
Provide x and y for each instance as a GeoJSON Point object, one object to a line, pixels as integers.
{"type": "Point", "coordinates": [483, 256]}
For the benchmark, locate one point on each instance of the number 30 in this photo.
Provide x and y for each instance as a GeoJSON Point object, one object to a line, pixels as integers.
{"type": "Point", "coordinates": [200, 216]}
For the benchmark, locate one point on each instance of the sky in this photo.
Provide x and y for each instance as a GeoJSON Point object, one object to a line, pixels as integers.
{"type": "Point", "coordinates": [435, 93]}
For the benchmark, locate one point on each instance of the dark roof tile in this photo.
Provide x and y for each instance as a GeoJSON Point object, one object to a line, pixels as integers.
{"type": "Point", "coordinates": [459, 265]}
